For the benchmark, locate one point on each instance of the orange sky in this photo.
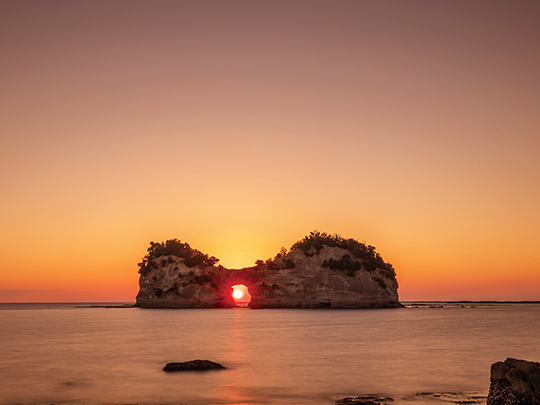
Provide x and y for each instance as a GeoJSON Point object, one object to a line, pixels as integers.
{"type": "Point", "coordinates": [241, 126]}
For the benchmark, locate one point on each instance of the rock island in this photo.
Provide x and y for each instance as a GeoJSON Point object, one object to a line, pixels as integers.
{"type": "Point", "coordinates": [319, 271]}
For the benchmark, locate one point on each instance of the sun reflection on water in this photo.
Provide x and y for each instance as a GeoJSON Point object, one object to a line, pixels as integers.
{"type": "Point", "coordinates": [235, 388]}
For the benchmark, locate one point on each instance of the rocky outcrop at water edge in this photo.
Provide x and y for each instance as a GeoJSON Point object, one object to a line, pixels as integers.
{"type": "Point", "coordinates": [319, 271]}
{"type": "Point", "coordinates": [514, 382]}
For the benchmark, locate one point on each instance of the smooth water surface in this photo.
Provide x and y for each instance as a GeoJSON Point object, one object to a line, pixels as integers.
{"type": "Point", "coordinates": [72, 354]}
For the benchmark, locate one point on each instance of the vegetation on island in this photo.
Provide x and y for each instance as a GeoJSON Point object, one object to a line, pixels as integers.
{"type": "Point", "coordinates": [361, 255]}
{"type": "Point", "coordinates": [173, 247]}
{"type": "Point", "coordinates": [280, 261]}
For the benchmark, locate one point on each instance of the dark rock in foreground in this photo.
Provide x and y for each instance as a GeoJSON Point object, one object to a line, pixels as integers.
{"type": "Point", "coordinates": [514, 382]}
{"type": "Point", "coordinates": [365, 400]}
{"type": "Point", "coordinates": [193, 365]}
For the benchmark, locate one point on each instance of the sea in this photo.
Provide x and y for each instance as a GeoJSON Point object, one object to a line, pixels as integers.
{"type": "Point", "coordinates": [425, 353]}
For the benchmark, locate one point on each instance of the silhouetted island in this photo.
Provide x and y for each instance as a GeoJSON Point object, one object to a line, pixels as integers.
{"type": "Point", "coordinates": [319, 271]}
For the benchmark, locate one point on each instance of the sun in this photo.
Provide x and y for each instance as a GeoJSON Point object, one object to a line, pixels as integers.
{"type": "Point", "coordinates": [240, 295]}
{"type": "Point", "coordinates": [237, 293]}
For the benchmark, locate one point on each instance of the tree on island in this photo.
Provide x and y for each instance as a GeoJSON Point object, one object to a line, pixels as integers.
{"type": "Point", "coordinates": [173, 247]}
{"type": "Point", "coordinates": [368, 257]}
{"type": "Point", "coordinates": [360, 255]}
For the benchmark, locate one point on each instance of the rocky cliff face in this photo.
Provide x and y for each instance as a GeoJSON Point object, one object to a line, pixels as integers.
{"type": "Point", "coordinates": [307, 277]}
{"type": "Point", "coordinates": [514, 382]}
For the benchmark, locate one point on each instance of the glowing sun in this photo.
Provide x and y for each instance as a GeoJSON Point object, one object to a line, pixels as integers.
{"type": "Point", "coordinates": [241, 295]}
{"type": "Point", "coordinates": [237, 293]}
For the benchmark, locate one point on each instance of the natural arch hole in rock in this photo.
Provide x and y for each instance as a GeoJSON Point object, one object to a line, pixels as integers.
{"type": "Point", "coordinates": [240, 295]}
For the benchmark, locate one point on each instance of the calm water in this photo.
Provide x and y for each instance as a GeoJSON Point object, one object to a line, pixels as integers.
{"type": "Point", "coordinates": [68, 354]}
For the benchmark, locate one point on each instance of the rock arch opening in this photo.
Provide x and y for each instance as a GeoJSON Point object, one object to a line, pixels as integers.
{"type": "Point", "coordinates": [240, 295]}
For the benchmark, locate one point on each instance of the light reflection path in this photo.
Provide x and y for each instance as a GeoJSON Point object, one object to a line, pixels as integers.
{"type": "Point", "coordinates": [235, 391]}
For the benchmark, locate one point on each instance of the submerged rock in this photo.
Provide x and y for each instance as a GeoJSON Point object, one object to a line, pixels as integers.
{"type": "Point", "coordinates": [458, 397]}
{"type": "Point", "coordinates": [193, 365]}
{"type": "Point", "coordinates": [369, 399]}
{"type": "Point", "coordinates": [514, 382]}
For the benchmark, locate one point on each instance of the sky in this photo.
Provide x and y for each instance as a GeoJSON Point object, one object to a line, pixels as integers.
{"type": "Point", "coordinates": [241, 126]}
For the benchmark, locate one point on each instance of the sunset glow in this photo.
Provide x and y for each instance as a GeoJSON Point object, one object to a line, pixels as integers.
{"type": "Point", "coordinates": [241, 295]}
{"type": "Point", "coordinates": [240, 128]}
{"type": "Point", "coordinates": [237, 294]}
